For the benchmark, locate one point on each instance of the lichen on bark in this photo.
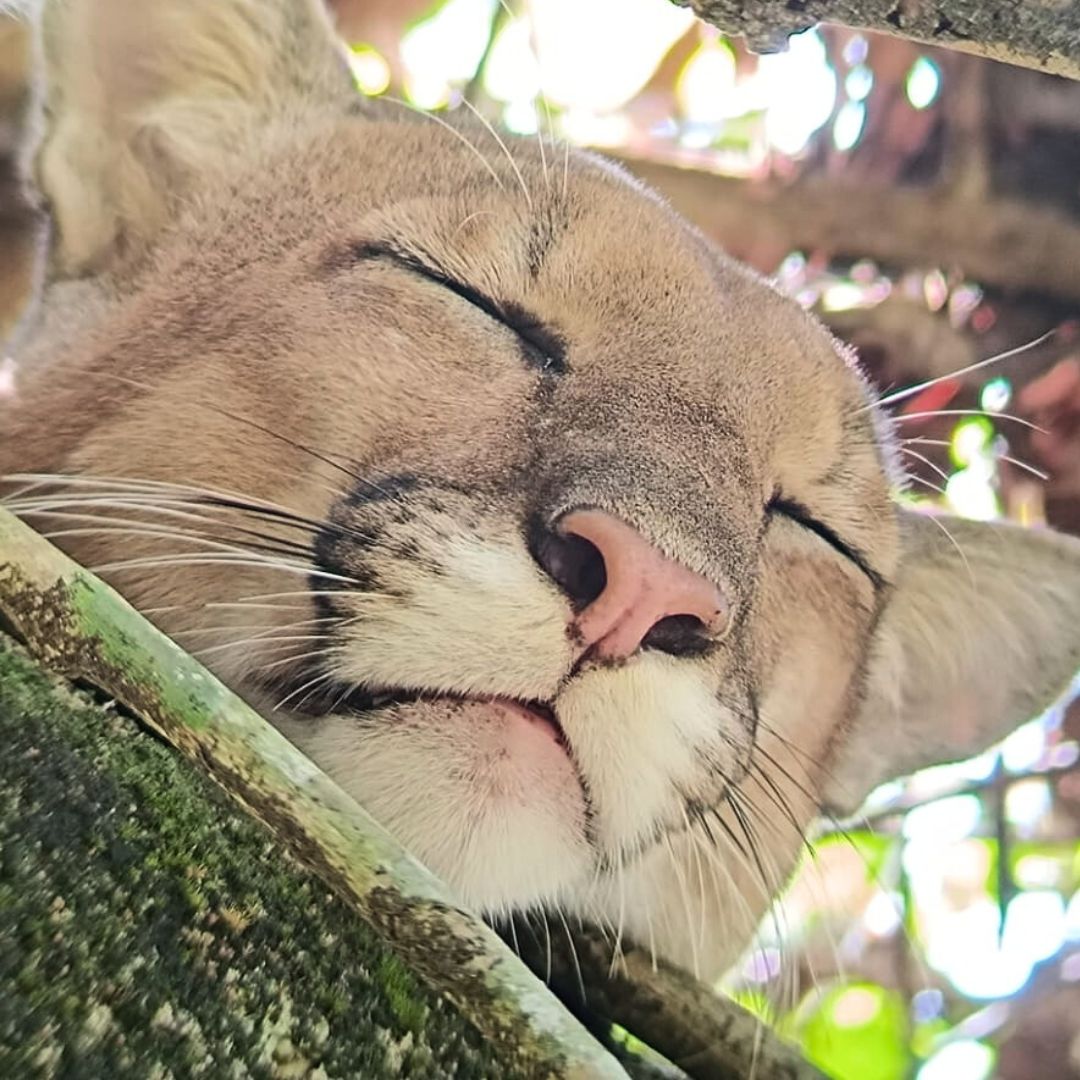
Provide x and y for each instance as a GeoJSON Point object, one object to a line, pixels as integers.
{"type": "Point", "coordinates": [77, 625]}
{"type": "Point", "coordinates": [150, 928]}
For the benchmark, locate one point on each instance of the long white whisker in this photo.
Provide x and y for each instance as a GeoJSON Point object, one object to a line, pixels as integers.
{"type": "Point", "coordinates": [505, 149]}
{"type": "Point", "coordinates": [1026, 466]}
{"type": "Point", "coordinates": [684, 894]}
{"type": "Point", "coordinates": [241, 627]}
{"type": "Point", "coordinates": [182, 559]}
{"type": "Point", "coordinates": [911, 391]}
{"type": "Point", "coordinates": [901, 417]}
{"type": "Point", "coordinates": [309, 654]}
{"type": "Point", "coordinates": [164, 534]}
{"type": "Point", "coordinates": [192, 505]}
{"type": "Point", "coordinates": [309, 686]}
{"type": "Point", "coordinates": [258, 639]}
{"type": "Point", "coordinates": [281, 595]}
{"type": "Point", "coordinates": [135, 485]}
{"type": "Point", "coordinates": [937, 489]}
{"type": "Point", "coordinates": [959, 550]}
{"type": "Point", "coordinates": [905, 449]}
{"type": "Point", "coordinates": [453, 131]}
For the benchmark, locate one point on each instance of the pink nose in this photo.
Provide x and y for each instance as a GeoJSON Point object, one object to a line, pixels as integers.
{"type": "Point", "coordinates": [642, 587]}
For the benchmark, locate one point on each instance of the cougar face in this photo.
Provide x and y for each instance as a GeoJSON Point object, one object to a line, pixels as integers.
{"type": "Point", "coordinates": [560, 541]}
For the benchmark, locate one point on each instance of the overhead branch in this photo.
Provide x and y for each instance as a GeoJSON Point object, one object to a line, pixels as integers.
{"type": "Point", "coordinates": [1043, 35]}
{"type": "Point", "coordinates": [1013, 246]}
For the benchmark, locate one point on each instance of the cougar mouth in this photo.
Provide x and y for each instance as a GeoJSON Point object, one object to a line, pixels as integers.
{"type": "Point", "coordinates": [367, 700]}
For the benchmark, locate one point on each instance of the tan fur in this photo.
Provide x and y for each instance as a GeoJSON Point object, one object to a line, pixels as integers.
{"type": "Point", "coordinates": [214, 319]}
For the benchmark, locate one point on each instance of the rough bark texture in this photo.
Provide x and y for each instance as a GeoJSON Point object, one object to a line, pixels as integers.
{"type": "Point", "coordinates": [1040, 34]}
{"type": "Point", "coordinates": [149, 928]}
{"type": "Point", "coordinates": [708, 1036]}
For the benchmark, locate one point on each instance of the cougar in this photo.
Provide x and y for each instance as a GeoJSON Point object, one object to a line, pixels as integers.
{"type": "Point", "coordinates": [566, 545]}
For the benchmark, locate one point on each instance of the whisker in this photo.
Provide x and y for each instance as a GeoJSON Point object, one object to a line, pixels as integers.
{"type": "Point", "coordinates": [241, 627]}
{"type": "Point", "coordinates": [453, 131]}
{"type": "Point", "coordinates": [916, 479]}
{"type": "Point", "coordinates": [279, 595]}
{"type": "Point", "coordinates": [1026, 466]}
{"type": "Point", "coordinates": [899, 418]}
{"type": "Point", "coordinates": [259, 539]}
{"type": "Point", "coordinates": [906, 449]}
{"type": "Point", "coordinates": [255, 605]}
{"type": "Point", "coordinates": [573, 956]}
{"type": "Point", "coordinates": [911, 391]}
{"type": "Point", "coordinates": [509, 14]}
{"type": "Point", "coordinates": [310, 654]}
{"type": "Point", "coordinates": [310, 686]}
{"type": "Point", "coordinates": [254, 562]}
{"type": "Point", "coordinates": [780, 801]}
{"type": "Point", "coordinates": [255, 425]}
{"type": "Point", "coordinates": [959, 550]}
{"type": "Point", "coordinates": [258, 639]}
{"type": "Point", "coordinates": [197, 497]}
{"type": "Point", "coordinates": [684, 896]}
{"type": "Point", "coordinates": [502, 146]}
{"type": "Point", "coordinates": [166, 534]}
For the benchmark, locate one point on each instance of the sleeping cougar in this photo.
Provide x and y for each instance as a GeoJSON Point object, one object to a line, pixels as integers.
{"type": "Point", "coordinates": [559, 540]}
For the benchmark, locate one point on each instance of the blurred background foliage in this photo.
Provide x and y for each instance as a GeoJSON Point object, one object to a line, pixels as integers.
{"type": "Point", "coordinates": [926, 205]}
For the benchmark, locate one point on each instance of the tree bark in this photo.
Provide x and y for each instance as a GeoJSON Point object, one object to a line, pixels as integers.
{"type": "Point", "coordinates": [702, 1033]}
{"type": "Point", "coordinates": [1039, 34]}
{"type": "Point", "coordinates": [149, 928]}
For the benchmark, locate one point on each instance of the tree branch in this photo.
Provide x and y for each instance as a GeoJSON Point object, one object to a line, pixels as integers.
{"type": "Point", "coordinates": [1044, 36]}
{"type": "Point", "coordinates": [706, 1035]}
{"type": "Point", "coordinates": [999, 242]}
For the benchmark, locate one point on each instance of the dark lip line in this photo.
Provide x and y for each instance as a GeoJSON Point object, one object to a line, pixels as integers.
{"type": "Point", "coordinates": [363, 700]}
{"type": "Point", "coordinates": [545, 709]}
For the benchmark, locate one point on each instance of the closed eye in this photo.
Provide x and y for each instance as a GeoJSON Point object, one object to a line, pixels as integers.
{"type": "Point", "coordinates": [795, 511]}
{"type": "Point", "coordinates": [541, 347]}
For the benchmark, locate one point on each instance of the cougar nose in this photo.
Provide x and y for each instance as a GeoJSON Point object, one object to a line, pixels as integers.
{"type": "Point", "coordinates": [629, 593]}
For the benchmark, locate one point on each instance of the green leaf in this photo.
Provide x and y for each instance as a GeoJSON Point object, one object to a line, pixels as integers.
{"type": "Point", "coordinates": [857, 1031]}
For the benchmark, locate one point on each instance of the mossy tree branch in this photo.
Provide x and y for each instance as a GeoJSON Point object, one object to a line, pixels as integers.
{"type": "Point", "coordinates": [149, 927]}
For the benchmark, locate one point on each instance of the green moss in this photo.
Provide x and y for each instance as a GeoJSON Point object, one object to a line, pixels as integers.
{"type": "Point", "coordinates": [400, 988]}
{"type": "Point", "coordinates": [148, 928]}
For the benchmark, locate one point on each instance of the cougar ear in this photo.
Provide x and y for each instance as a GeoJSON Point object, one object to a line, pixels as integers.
{"type": "Point", "coordinates": [145, 99]}
{"type": "Point", "coordinates": [981, 634]}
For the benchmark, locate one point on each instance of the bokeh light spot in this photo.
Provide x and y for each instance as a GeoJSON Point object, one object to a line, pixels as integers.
{"type": "Point", "coordinates": [923, 83]}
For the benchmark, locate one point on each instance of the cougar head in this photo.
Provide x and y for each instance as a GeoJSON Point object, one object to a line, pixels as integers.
{"type": "Point", "coordinates": [564, 543]}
